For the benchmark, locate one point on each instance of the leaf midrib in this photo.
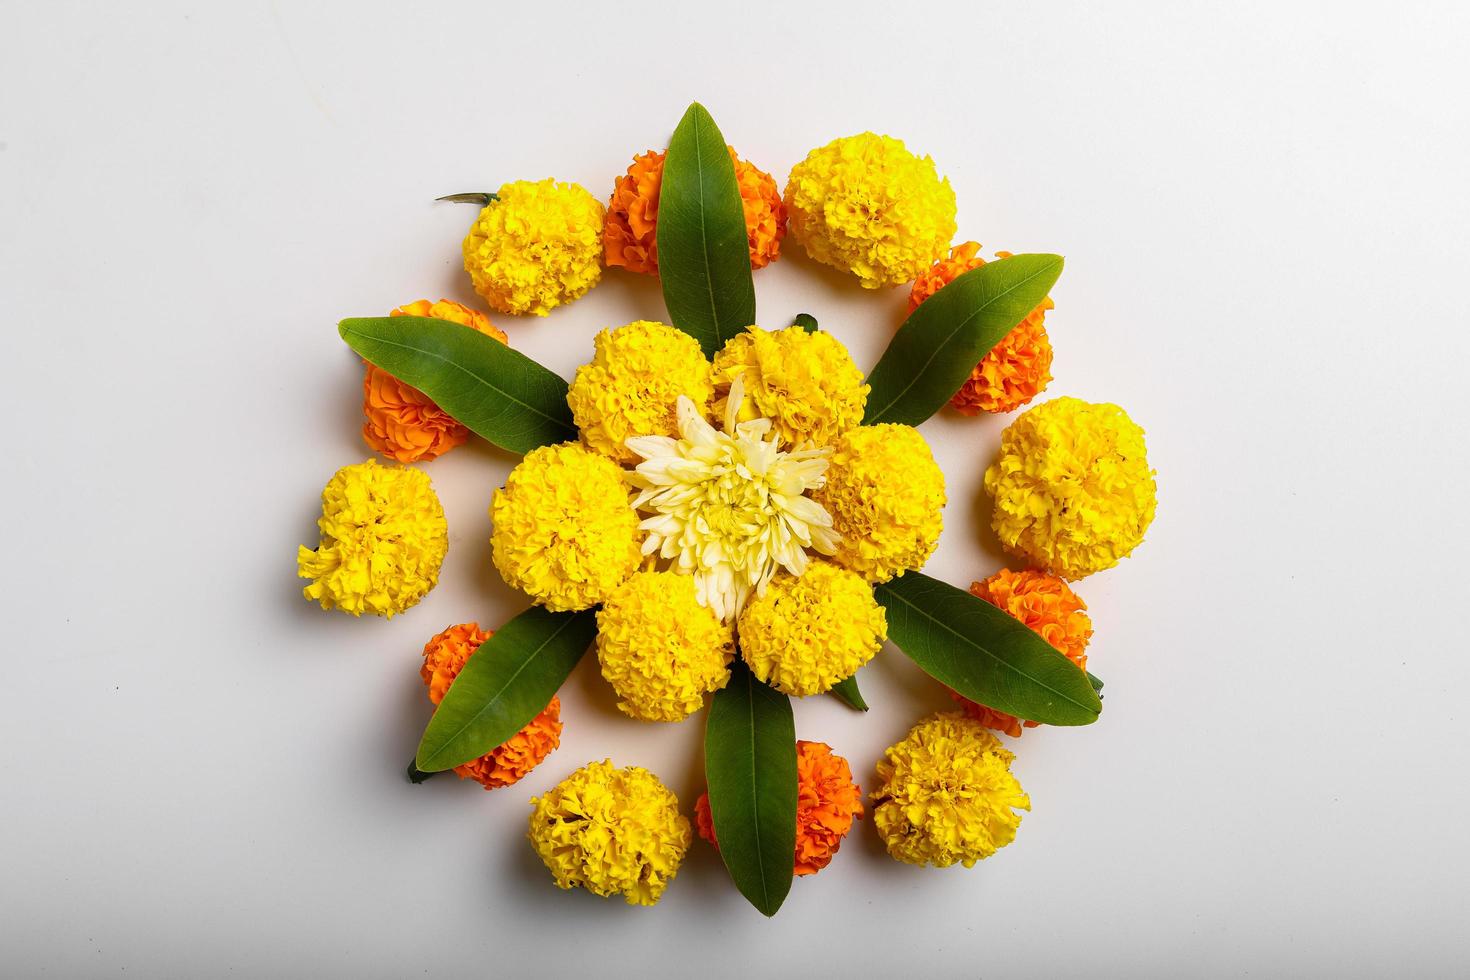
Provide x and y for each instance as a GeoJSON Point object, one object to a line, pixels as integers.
{"type": "Point", "coordinates": [986, 651]}
{"type": "Point", "coordinates": [933, 354]}
{"type": "Point", "coordinates": [560, 423]}
{"type": "Point", "coordinates": [496, 697]}
{"type": "Point", "coordinates": [709, 279]}
{"type": "Point", "coordinates": [754, 794]}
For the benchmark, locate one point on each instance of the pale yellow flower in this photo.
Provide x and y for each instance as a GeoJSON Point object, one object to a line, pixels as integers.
{"type": "Point", "coordinates": [730, 507]}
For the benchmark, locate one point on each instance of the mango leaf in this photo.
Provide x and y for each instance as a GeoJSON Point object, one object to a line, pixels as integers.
{"type": "Point", "coordinates": [847, 692]}
{"type": "Point", "coordinates": [983, 653]}
{"type": "Point", "coordinates": [499, 394]}
{"type": "Point", "coordinates": [806, 322]}
{"type": "Point", "coordinates": [750, 767]}
{"type": "Point", "coordinates": [703, 250]}
{"type": "Point", "coordinates": [1096, 682]}
{"type": "Point", "coordinates": [941, 342]}
{"type": "Point", "coordinates": [504, 684]}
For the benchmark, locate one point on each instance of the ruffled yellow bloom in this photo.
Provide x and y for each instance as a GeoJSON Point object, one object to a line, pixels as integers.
{"type": "Point", "coordinates": [612, 832]}
{"type": "Point", "coordinates": [729, 507]}
{"type": "Point", "coordinates": [1073, 490]}
{"type": "Point", "coordinates": [383, 540]}
{"type": "Point", "coordinates": [806, 634]}
{"type": "Point", "coordinates": [946, 794]}
{"type": "Point", "coordinates": [866, 205]}
{"type": "Point", "coordinates": [886, 497]}
{"type": "Point", "coordinates": [563, 531]}
{"type": "Point", "coordinates": [631, 386]}
{"type": "Point", "coordinates": [661, 651]}
{"type": "Point", "coordinates": [805, 383]}
{"type": "Point", "coordinates": [536, 247]}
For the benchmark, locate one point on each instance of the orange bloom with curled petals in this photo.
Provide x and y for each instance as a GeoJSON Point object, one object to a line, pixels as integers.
{"type": "Point", "coordinates": [827, 802]}
{"type": "Point", "coordinates": [1050, 608]}
{"type": "Point", "coordinates": [629, 234]}
{"type": "Point", "coordinates": [444, 656]}
{"type": "Point", "coordinates": [402, 422]}
{"type": "Point", "coordinates": [1018, 368]}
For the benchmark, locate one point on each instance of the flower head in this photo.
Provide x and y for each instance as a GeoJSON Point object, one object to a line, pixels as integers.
{"type": "Point", "coordinates": [563, 531]}
{"type": "Point", "coordinates": [444, 656]}
{"type": "Point", "coordinates": [403, 423]}
{"type": "Point", "coordinates": [1073, 490]}
{"type": "Point", "coordinates": [827, 802]}
{"type": "Point", "coordinates": [611, 831]}
{"type": "Point", "coordinates": [630, 240]}
{"type": "Point", "coordinates": [630, 387]}
{"type": "Point", "coordinates": [659, 648]}
{"type": "Point", "coordinates": [866, 205]}
{"type": "Point", "coordinates": [886, 497]}
{"type": "Point", "coordinates": [805, 383]}
{"type": "Point", "coordinates": [806, 634]}
{"type": "Point", "coordinates": [729, 507]}
{"type": "Point", "coordinates": [383, 538]}
{"type": "Point", "coordinates": [1018, 368]}
{"type": "Point", "coordinates": [1051, 609]}
{"type": "Point", "coordinates": [946, 794]}
{"type": "Point", "coordinates": [536, 247]}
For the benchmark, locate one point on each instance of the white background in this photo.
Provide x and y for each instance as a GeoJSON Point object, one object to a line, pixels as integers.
{"type": "Point", "coordinates": [1264, 213]}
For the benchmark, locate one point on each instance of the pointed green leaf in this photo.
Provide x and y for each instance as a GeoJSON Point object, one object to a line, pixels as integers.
{"type": "Point", "coordinates": [847, 692]}
{"type": "Point", "coordinates": [1096, 682]}
{"type": "Point", "coordinates": [703, 249]}
{"type": "Point", "coordinates": [499, 394]}
{"type": "Point", "coordinates": [983, 653]}
{"type": "Point", "coordinates": [508, 681]}
{"type": "Point", "coordinates": [750, 766]}
{"type": "Point", "coordinates": [941, 342]}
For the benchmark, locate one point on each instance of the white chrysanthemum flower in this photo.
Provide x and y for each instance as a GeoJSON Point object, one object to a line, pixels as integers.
{"type": "Point", "coordinates": [730, 507]}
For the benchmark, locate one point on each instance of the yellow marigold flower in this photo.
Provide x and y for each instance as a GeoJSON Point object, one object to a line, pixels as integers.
{"type": "Point", "coordinates": [1073, 490]}
{"type": "Point", "coordinates": [805, 383]}
{"type": "Point", "coordinates": [612, 832]}
{"type": "Point", "coordinates": [536, 247]}
{"type": "Point", "coordinates": [563, 531]}
{"type": "Point", "coordinates": [1049, 607]}
{"type": "Point", "coordinates": [383, 540]}
{"type": "Point", "coordinates": [807, 633]}
{"type": "Point", "coordinates": [659, 648]}
{"type": "Point", "coordinates": [630, 236]}
{"type": "Point", "coordinates": [866, 205]}
{"type": "Point", "coordinates": [403, 423]}
{"type": "Point", "coordinates": [1018, 368]}
{"type": "Point", "coordinates": [886, 497]}
{"type": "Point", "coordinates": [946, 794]}
{"type": "Point", "coordinates": [633, 383]}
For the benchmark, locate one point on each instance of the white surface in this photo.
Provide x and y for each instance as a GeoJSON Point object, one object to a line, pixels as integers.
{"type": "Point", "coordinates": [1264, 215]}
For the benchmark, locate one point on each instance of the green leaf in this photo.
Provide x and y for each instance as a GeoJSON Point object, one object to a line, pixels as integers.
{"type": "Point", "coordinates": [750, 766]}
{"type": "Point", "coordinates": [482, 198]}
{"type": "Point", "coordinates": [941, 342]}
{"type": "Point", "coordinates": [1096, 682]}
{"type": "Point", "coordinates": [847, 692]}
{"type": "Point", "coordinates": [417, 775]}
{"type": "Point", "coordinates": [703, 249]}
{"type": "Point", "coordinates": [985, 654]}
{"type": "Point", "coordinates": [508, 681]}
{"type": "Point", "coordinates": [498, 393]}
{"type": "Point", "coordinates": [806, 322]}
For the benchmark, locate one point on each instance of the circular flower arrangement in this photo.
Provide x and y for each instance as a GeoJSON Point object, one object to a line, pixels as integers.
{"type": "Point", "coordinates": [734, 516]}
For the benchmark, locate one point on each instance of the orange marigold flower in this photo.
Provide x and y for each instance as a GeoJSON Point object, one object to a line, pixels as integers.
{"type": "Point", "coordinates": [1049, 607]}
{"type": "Point", "coordinates": [1018, 368]}
{"type": "Point", "coordinates": [444, 656]}
{"type": "Point", "coordinates": [402, 422]}
{"type": "Point", "coordinates": [827, 802]}
{"type": "Point", "coordinates": [628, 236]}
